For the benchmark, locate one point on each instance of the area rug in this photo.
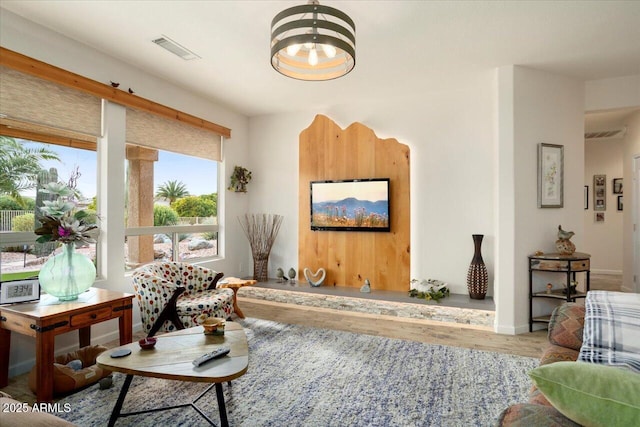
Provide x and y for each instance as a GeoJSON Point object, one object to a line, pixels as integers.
{"type": "Point", "coordinates": [303, 376]}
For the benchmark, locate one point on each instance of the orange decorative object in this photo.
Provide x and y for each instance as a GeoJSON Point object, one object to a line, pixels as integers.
{"type": "Point", "coordinates": [234, 283]}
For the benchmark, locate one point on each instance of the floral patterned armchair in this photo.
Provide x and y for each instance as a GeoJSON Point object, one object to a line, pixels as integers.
{"type": "Point", "coordinates": [175, 295]}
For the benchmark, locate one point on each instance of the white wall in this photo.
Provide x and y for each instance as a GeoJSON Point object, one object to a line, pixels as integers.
{"type": "Point", "coordinates": [607, 94]}
{"type": "Point", "coordinates": [449, 133]}
{"type": "Point", "coordinates": [611, 94]}
{"type": "Point", "coordinates": [603, 240]}
{"type": "Point", "coordinates": [463, 181]}
{"type": "Point", "coordinates": [631, 258]}
{"type": "Point", "coordinates": [25, 37]}
{"type": "Point", "coordinates": [534, 107]}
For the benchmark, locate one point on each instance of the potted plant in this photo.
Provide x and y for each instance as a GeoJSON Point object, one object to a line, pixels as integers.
{"type": "Point", "coordinates": [69, 273]}
{"type": "Point", "coordinates": [239, 179]}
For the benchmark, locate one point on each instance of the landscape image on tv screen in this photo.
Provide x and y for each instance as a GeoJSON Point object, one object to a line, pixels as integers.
{"type": "Point", "coordinates": [350, 205]}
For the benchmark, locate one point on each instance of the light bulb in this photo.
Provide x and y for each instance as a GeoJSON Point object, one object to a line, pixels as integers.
{"type": "Point", "coordinates": [293, 49]}
{"type": "Point", "coordinates": [313, 57]}
{"type": "Point", "coordinates": [308, 45]}
{"type": "Point", "coordinates": [329, 50]}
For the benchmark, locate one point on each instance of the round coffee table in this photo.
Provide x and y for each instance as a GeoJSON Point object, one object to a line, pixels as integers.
{"type": "Point", "coordinates": [234, 283]}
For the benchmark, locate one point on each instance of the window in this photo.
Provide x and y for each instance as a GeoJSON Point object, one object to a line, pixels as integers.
{"type": "Point", "coordinates": [40, 102]}
{"type": "Point", "coordinates": [20, 255]}
{"type": "Point", "coordinates": [171, 203]}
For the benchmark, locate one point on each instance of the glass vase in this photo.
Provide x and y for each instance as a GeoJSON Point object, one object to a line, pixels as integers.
{"type": "Point", "coordinates": [67, 274]}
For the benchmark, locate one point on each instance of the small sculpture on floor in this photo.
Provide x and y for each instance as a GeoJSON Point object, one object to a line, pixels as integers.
{"type": "Point", "coordinates": [564, 244]}
{"type": "Point", "coordinates": [366, 288]}
{"type": "Point", "coordinates": [315, 279]}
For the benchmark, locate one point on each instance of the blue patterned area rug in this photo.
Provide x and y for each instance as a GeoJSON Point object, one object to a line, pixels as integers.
{"type": "Point", "coordinates": [302, 376]}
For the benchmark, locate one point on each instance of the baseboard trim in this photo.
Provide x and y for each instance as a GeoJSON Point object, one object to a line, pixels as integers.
{"type": "Point", "coordinates": [608, 272]}
{"type": "Point", "coordinates": [511, 330]}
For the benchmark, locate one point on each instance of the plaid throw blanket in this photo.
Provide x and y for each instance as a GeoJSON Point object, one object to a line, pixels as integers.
{"type": "Point", "coordinates": [612, 329]}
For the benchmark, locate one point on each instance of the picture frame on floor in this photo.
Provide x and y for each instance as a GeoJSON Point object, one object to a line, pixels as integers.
{"type": "Point", "coordinates": [550, 175]}
{"type": "Point", "coordinates": [13, 291]}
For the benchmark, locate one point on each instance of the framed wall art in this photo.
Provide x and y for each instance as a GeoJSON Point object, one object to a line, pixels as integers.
{"type": "Point", "coordinates": [550, 175]}
{"type": "Point", "coordinates": [617, 185]}
{"type": "Point", "coordinates": [599, 216]}
{"type": "Point", "coordinates": [586, 197]}
{"type": "Point", "coordinates": [19, 291]}
{"type": "Point", "coordinates": [599, 192]}
{"type": "Point", "coordinates": [619, 203]}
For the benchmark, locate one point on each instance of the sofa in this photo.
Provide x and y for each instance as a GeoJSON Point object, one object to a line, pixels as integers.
{"type": "Point", "coordinates": [589, 373]}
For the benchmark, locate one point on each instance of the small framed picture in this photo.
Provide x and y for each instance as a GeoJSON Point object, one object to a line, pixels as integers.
{"type": "Point", "coordinates": [550, 176]}
{"type": "Point", "coordinates": [619, 203]}
{"type": "Point", "coordinates": [586, 197]}
{"type": "Point", "coordinates": [19, 291]}
{"type": "Point", "coordinates": [599, 192]}
{"type": "Point", "coordinates": [617, 185]}
{"type": "Point", "coordinates": [599, 216]}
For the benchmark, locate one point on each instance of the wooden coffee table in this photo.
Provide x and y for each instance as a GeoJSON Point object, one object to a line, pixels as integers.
{"type": "Point", "coordinates": [234, 283]}
{"type": "Point", "coordinates": [171, 359]}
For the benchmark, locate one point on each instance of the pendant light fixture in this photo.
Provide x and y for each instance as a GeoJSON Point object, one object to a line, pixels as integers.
{"type": "Point", "coordinates": [313, 42]}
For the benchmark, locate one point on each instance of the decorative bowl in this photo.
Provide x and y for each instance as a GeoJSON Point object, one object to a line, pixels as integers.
{"type": "Point", "coordinates": [213, 325]}
{"type": "Point", "coordinates": [147, 343]}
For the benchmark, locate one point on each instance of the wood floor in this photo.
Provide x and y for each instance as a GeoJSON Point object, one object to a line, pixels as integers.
{"type": "Point", "coordinates": [529, 344]}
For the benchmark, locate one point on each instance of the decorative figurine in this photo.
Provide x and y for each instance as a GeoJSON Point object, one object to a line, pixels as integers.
{"type": "Point", "coordinates": [366, 288]}
{"type": "Point", "coordinates": [549, 288]}
{"type": "Point", "coordinates": [280, 275]}
{"type": "Point", "coordinates": [564, 244]}
{"type": "Point", "coordinates": [292, 275]}
{"type": "Point", "coordinates": [315, 279]}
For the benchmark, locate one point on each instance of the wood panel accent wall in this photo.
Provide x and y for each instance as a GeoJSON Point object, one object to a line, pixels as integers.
{"type": "Point", "coordinates": [330, 153]}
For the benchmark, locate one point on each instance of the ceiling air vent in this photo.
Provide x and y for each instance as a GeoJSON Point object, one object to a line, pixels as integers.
{"type": "Point", "coordinates": [175, 48]}
{"type": "Point", "coordinates": [605, 134]}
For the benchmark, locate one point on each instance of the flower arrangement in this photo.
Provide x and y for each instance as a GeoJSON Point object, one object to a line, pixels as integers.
{"type": "Point", "coordinates": [62, 222]}
{"type": "Point", "coordinates": [239, 179]}
{"type": "Point", "coordinates": [431, 289]}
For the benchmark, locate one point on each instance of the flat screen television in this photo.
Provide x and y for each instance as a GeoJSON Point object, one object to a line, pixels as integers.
{"type": "Point", "coordinates": [350, 205]}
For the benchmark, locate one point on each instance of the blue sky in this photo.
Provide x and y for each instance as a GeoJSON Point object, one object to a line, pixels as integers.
{"type": "Point", "coordinates": [199, 176]}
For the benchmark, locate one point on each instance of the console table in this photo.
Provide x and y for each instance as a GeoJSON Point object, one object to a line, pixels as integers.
{"type": "Point", "coordinates": [568, 265]}
{"type": "Point", "coordinates": [49, 317]}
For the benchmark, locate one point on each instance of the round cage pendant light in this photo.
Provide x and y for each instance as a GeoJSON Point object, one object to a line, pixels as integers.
{"type": "Point", "coordinates": [313, 42]}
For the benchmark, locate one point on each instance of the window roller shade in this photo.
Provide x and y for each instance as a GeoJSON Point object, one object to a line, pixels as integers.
{"type": "Point", "coordinates": [153, 131]}
{"type": "Point", "coordinates": [27, 102]}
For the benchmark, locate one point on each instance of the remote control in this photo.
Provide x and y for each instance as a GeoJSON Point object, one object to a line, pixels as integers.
{"type": "Point", "coordinates": [209, 356]}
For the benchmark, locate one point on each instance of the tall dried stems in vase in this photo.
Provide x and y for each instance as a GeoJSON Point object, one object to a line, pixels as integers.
{"type": "Point", "coordinates": [261, 230]}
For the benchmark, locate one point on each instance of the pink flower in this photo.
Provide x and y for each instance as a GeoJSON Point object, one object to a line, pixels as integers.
{"type": "Point", "coordinates": [63, 232]}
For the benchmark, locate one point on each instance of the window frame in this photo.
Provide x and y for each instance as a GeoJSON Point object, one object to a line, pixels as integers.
{"type": "Point", "coordinates": [173, 231]}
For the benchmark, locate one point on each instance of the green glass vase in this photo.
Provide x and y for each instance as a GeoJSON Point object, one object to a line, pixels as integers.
{"type": "Point", "coordinates": [67, 274]}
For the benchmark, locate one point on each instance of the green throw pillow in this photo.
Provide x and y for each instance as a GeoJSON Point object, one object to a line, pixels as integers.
{"type": "Point", "coordinates": [591, 394]}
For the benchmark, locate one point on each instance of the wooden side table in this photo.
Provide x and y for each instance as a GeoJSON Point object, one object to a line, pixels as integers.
{"type": "Point", "coordinates": [49, 317]}
{"type": "Point", "coordinates": [234, 283]}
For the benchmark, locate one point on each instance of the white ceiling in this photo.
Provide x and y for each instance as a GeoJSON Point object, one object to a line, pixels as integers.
{"type": "Point", "coordinates": [403, 47]}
